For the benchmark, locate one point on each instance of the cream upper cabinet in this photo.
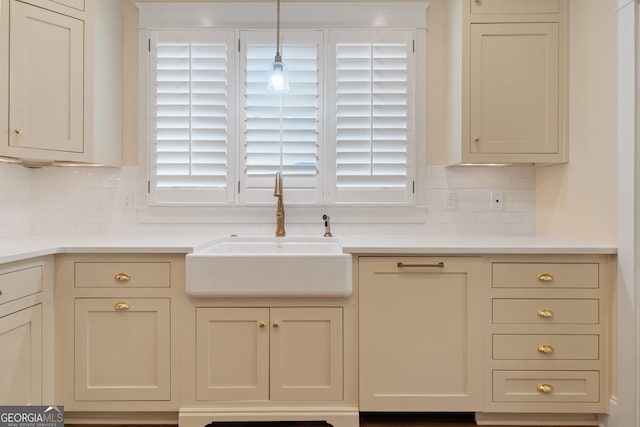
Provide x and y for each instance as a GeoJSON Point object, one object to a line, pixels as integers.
{"type": "Point", "coordinates": [510, 102]}
{"type": "Point", "coordinates": [420, 334]}
{"type": "Point", "coordinates": [269, 354]}
{"type": "Point", "coordinates": [63, 68]}
{"type": "Point", "coordinates": [46, 75]}
{"type": "Point", "coordinates": [513, 94]}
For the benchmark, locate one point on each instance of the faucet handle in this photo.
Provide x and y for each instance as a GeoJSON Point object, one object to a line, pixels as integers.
{"type": "Point", "coordinates": [327, 226]}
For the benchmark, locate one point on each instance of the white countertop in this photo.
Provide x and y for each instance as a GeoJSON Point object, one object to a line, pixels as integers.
{"type": "Point", "coordinates": [18, 248]}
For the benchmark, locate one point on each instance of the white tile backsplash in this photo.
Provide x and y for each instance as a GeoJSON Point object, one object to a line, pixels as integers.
{"type": "Point", "coordinates": [103, 201]}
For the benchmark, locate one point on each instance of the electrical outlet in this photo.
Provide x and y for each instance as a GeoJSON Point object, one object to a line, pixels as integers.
{"type": "Point", "coordinates": [449, 200]}
{"type": "Point", "coordinates": [127, 199]}
{"type": "Point", "coordinates": [497, 200]}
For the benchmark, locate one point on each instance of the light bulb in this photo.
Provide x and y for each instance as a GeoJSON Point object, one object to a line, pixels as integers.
{"type": "Point", "coordinates": [278, 81]}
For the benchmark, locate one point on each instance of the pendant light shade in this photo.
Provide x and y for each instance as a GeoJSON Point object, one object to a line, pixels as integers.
{"type": "Point", "coordinates": [278, 81]}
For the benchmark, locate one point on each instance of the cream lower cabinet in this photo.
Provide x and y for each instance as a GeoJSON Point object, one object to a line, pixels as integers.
{"type": "Point", "coordinates": [122, 349]}
{"type": "Point", "coordinates": [269, 354]}
{"type": "Point", "coordinates": [547, 340]}
{"type": "Point", "coordinates": [420, 334]}
{"type": "Point", "coordinates": [25, 335]}
{"type": "Point", "coordinates": [21, 344]}
{"type": "Point", "coordinates": [114, 329]}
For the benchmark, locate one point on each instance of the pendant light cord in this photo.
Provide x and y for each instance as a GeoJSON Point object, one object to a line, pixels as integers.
{"type": "Point", "coordinates": [278, 56]}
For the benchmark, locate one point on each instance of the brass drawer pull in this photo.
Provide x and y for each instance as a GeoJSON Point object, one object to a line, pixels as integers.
{"type": "Point", "coordinates": [122, 277]}
{"type": "Point", "coordinates": [546, 349]}
{"type": "Point", "coordinates": [546, 314]}
{"type": "Point", "coordinates": [276, 324]}
{"type": "Point", "coordinates": [262, 324]}
{"type": "Point", "coordinates": [122, 306]}
{"type": "Point", "coordinates": [545, 277]}
{"type": "Point", "coordinates": [17, 131]}
{"type": "Point", "coordinates": [545, 388]}
{"type": "Point", "coordinates": [430, 265]}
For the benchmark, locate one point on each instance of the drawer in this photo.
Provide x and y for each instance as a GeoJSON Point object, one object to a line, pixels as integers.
{"type": "Point", "coordinates": [122, 274]}
{"type": "Point", "coordinates": [20, 282]}
{"type": "Point", "coordinates": [499, 7]}
{"type": "Point", "coordinates": [545, 275]}
{"type": "Point", "coordinates": [546, 386]}
{"type": "Point", "coordinates": [546, 311]}
{"type": "Point", "coordinates": [546, 347]}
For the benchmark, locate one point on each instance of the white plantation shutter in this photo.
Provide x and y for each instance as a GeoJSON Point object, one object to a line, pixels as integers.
{"type": "Point", "coordinates": [191, 91]}
{"type": "Point", "coordinates": [281, 132]}
{"type": "Point", "coordinates": [372, 89]}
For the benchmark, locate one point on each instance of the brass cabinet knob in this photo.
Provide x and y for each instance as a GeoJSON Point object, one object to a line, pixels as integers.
{"type": "Point", "coordinates": [17, 131]}
{"type": "Point", "coordinates": [122, 277]}
{"type": "Point", "coordinates": [545, 388]}
{"type": "Point", "coordinates": [545, 277]}
{"type": "Point", "coordinates": [477, 138]}
{"type": "Point", "coordinates": [0, 293]}
{"type": "Point", "coordinates": [545, 349]}
{"type": "Point", "coordinates": [122, 305]}
{"type": "Point", "coordinates": [276, 324]}
{"type": "Point", "coordinates": [262, 324]}
{"type": "Point", "coordinates": [477, 1]}
{"type": "Point", "coordinates": [546, 314]}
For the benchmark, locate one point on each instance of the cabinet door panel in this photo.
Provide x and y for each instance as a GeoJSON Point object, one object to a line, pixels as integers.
{"type": "Point", "coordinates": [514, 88]}
{"type": "Point", "coordinates": [306, 354]}
{"type": "Point", "coordinates": [46, 74]}
{"type": "Point", "coordinates": [122, 353]}
{"type": "Point", "coordinates": [420, 346]}
{"type": "Point", "coordinates": [21, 357]}
{"type": "Point", "coordinates": [232, 354]}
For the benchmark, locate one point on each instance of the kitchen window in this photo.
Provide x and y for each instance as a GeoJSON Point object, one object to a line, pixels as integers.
{"type": "Point", "coordinates": [344, 134]}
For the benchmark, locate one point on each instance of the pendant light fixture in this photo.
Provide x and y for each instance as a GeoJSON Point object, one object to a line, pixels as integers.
{"type": "Point", "coordinates": [278, 81]}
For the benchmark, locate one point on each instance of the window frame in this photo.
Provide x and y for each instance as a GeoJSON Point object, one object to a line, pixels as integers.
{"type": "Point", "coordinates": [343, 16]}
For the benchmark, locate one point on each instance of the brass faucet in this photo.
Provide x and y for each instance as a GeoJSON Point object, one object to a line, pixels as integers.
{"type": "Point", "coordinates": [280, 209]}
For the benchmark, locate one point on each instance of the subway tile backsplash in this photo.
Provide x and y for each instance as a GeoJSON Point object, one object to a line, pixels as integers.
{"type": "Point", "coordinates": [103, 201]}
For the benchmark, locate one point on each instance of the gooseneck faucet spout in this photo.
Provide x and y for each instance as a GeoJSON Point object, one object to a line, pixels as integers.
{"type": "Point", "coordinates": [280, 208]}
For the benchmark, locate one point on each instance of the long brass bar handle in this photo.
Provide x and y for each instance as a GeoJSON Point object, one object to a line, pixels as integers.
{"type": "Point", "coordinates": [430, 265]}
{"type": "Point", "coordinates": [122, 277]}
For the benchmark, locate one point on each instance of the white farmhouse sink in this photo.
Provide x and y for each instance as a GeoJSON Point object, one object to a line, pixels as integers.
{"type": "Point", "coordinates": [270, 267]}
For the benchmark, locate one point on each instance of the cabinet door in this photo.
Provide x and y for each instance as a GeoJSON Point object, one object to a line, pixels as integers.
{"type": "Point", "coordinates": [46, 79]}
{"type": "Point", "coordinates": [122, 349]}
{"type": "Point", "coordinates": [21, 357]}
{"type": "Point", "coordinates": [306, 354]}
{"type": "Point", "coordinates": [420, 334]}
{"type": "Point", "coordinates": [232, 354]}
{"type": "Point", "coordinates": [514, 89]}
